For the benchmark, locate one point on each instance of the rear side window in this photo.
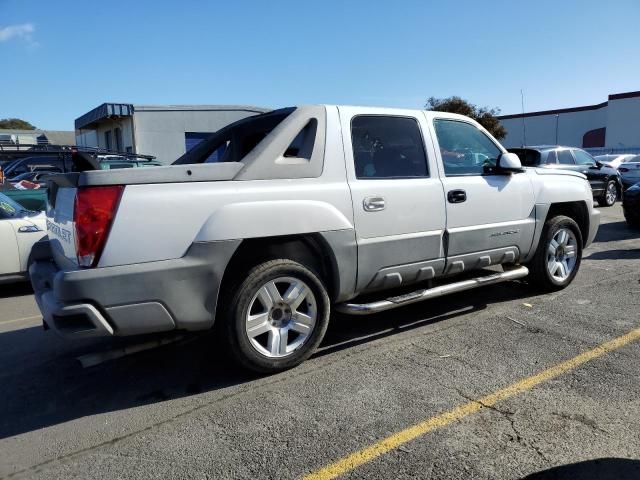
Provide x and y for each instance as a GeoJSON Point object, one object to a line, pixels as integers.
{"type": "Point", "coordinates": [388, 147]}
{"type": "Point", "coordinates": [565, 157]}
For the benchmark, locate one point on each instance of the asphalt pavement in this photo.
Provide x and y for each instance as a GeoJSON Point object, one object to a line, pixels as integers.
{"type": "Point", "coordinates": [500, 382]}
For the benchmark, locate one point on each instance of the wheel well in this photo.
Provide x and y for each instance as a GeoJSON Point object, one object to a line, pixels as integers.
{"type": "Point", "coordinates": [310, 250]}
{"type": "Point", "coordinates": [578, 211]}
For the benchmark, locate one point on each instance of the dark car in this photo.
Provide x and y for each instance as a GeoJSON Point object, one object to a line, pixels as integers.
{"type": "Point", "coordinates": [54, 163]}
{"type": "Point", "coordinates": [37, 176]}
{"type": "Point", "coordinates": [605, 181]}
{"type": "Point", "coordinates": [631, 205]}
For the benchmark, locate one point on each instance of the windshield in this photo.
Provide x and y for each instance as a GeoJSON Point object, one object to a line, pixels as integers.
{"type": "Point", "coordinates": [528, 157]}
{"type": "Point", "coordinates": [9, 208]}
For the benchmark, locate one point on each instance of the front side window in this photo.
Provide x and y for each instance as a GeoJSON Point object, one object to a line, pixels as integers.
{"type": "Point", "coordinates": [388, 147]}
{"type": "Point", "coordinates": [583, 158]}
{"type": "Point", "coordinates": [565, 157]}
{"type": "Point", "coordinates": [465, 149]}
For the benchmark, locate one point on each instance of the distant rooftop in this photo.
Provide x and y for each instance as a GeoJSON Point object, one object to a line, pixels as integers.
{"type": "Point", "coordinates": [10, 137]}
{"type": "Point", "coordinates": [118, 110]}
{"type": "Point", "coordinates": [615, 96]}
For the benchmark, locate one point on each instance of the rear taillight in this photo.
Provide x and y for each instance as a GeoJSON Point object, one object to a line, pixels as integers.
{"type": "Point", "coordinates": [623, 170]}
{"type": "Point", "coordinates": [93, 214]}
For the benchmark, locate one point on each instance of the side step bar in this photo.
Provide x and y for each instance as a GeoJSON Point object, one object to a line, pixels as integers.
{"type": "Point", "coordinates": [420, 295]}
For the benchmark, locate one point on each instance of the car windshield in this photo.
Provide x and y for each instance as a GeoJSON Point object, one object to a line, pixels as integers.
{"type": "Point", "coordinates": [9, 208]}
{"type": "Point", "coordinates": [528, 157]}
{"type": "Point", "coordinates": [634, 159]}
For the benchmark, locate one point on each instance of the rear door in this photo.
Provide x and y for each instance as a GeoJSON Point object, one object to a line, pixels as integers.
{"type": "Point", "coordinates": [398, 201]}
{"type": "Point", "coordinates": [489, 216]}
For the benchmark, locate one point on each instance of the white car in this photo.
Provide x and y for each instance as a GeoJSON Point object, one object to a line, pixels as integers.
{"type": "Point", "coordinates": [19, 230]}
{"type": "Point", "coordinates": [613, 160]}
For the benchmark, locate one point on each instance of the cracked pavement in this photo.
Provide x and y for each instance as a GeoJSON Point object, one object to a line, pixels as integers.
{"type": "Point", "coordinates": [181, 411]}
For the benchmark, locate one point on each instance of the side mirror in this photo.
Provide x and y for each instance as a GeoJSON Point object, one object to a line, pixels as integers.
{"type": "Point", "coordinates": [599, 164]}
{"type": "Point", "coordinates": [509, 162]}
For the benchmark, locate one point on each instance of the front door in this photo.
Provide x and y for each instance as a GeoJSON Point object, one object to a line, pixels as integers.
{"type": "Point", "coordinates": [490, 217]}
{"type": "Point", "coordinates": [398, 201]}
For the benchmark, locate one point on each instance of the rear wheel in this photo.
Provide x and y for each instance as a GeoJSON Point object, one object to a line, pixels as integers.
{"type": "Point", "coordinates": [557, 259]}
{"type": "Point", "coordinates": [610, 194]}
{"type": "Point", "coordinates": [277, 316]}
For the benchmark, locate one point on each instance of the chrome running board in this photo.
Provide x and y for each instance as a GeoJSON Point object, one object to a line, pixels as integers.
{"type": "Point", "coordinates": [420, 295]}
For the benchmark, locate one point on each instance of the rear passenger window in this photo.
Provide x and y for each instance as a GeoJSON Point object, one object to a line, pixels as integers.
{"type": "Point", "coordinates": [565, 157]}
{"type": "Point", "coordinates": [388, 147]}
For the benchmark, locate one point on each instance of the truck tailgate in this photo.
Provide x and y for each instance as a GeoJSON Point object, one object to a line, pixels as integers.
{"type": "Point", "coordinates": [60, 226]}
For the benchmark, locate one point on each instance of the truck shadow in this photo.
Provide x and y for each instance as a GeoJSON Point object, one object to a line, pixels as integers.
{"type": "Point", "coordinates": [598, 469]}
{"type": "Point", "coordinates": [43, 384]}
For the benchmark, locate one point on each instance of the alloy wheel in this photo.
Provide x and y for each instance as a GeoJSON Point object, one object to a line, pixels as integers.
{"type": "Point", "coordinates": [281, 317]}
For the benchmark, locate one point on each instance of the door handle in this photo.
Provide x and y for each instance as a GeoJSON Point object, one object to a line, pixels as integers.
{"type": "Point", "coordinates": [456, 196]}
{"type": "Point", "coordinates": [373, 204]}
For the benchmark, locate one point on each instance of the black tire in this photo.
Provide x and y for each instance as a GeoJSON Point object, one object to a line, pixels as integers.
{"type": "Point", "coordinates": [632, 221]}
{"type": "Point", "coordinates": [602, 200]}
{"type": "Point", "coordinates": [243, 297]}
{"type": "Point", "coordinates": [539, 274]}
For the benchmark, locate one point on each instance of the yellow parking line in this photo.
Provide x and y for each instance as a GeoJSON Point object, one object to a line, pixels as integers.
{"type": "Point", "coordinates": [15, 320]}
{"type": "Point", "coordinates": [395, 440]}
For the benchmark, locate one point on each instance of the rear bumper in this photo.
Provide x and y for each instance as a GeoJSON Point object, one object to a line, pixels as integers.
{"type": "Point", "coordinates": [131, 299]}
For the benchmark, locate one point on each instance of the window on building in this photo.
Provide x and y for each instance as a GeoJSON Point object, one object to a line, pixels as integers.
{"type": "Point", "coordinates": [388, 147]}
{"type": "Point", "coordinates": [191, 139]}
{"type": "Point", "coordinates": [233, 142]}
{"type": "Point", "coordinates": [107, 139]}
{"type": "Point", "coordinates": [465, 149]}
{"type": "Point", "coordinates": [583, 158]}
{"type": "Point", "coordinates": [117, 133]}
{"type": "Point", "coordinates": [565, 157]}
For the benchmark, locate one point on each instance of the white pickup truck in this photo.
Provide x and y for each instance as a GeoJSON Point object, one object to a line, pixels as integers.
{"type": "Point", "coordinates": [263, 228]}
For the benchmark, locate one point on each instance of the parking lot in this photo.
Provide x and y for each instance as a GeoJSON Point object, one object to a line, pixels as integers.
{"type": "Point", "coordinates": [499, 382]}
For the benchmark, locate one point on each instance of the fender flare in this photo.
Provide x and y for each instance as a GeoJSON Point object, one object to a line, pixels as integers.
{"type": "Point", "coordinates": [270, 219]}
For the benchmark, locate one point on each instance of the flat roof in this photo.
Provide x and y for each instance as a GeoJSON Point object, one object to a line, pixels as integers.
{"type": "Point", "coordinates": [614, 96]}
{"type": "Point", "coordinates": [109, 110]}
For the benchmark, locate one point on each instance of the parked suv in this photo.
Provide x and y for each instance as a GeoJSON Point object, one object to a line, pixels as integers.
{"type": "Point", "coordinates": [264, 228]}
{"type": "Point", "coordinates": [605, 181]}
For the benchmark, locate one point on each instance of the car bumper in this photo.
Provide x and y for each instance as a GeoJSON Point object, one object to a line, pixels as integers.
{"type": "Point", "coordinates": [131, 299]}
{"type": "Point", "coordinates": [594, 224]}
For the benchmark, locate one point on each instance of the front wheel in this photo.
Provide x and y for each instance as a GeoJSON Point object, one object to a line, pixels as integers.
{"type": "Point", "coordinates": [557, 259]}
{"type": "Point", "coordinates": [277, 316]}
{"type": "Point", "coordinates": [610, 195]}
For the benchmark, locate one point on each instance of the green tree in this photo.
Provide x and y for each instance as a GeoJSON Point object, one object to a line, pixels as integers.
{"type": "Point", "coordinates": [16, 124]}
{"type": "Point", "coordinates": [487, 117]}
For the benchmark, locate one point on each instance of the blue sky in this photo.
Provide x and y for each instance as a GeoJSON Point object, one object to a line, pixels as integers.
{"type": "Point", "coordinates": [62, 58]}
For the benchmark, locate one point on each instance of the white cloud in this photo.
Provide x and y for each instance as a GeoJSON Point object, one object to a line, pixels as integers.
{"type": "Point", "coordinates": [23, 31]}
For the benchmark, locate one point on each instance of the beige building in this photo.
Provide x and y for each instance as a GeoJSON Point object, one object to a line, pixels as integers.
{"type": "Point", "coordinates": [164, 131]}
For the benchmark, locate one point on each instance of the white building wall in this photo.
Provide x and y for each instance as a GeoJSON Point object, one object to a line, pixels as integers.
{"type": "Point", "coordinates": [161, 132]}
{"type": "Point", "coordinates": [541, 129]}
{"type": "Point", "coordinates": [623, 123]}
